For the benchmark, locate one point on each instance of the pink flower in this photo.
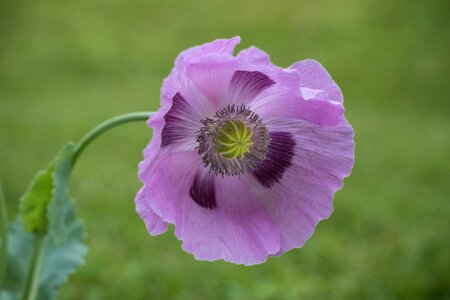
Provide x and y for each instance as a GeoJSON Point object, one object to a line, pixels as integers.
{"type": "Point", "coordinates": [245, 156]}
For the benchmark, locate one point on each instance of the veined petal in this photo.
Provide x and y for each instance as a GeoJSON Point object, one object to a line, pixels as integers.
{"type": "Point", "coordinates": [323, 158]}
{"type": "Point", "coordinates": [219, 46]}
{"type": "Point", "coordinates": [279, 159]}
{"type": "Point", "coordinates": [211, 75]}
{"type": "Point", "coordinates": [314, 76]}
{"type": "Point", "coordinates": [254, 59]}
{"type": "Point", "coordinates": [181, 123]}
{"type": "Point", "coordinates": [202, 190]}
{"type": "Point", "coordinates": [253, 55]}
{"type": "Point", "coordinates": [227, 80]}
{"type": "Point", "coordinates": [236, 229]}
{"type": "Point", "coordinates": [224, 80]}
{"type": "Point", "coordinates": [246, 85]}
{"type": "Point", "coordinates": [309, 94]}
{"type": "Point", "coordinates": [168, 179]}
{"type": "Point", "coordinates": [155, 225]}
{"type": "Point", "coordinates": [156, 121]}
{"type": "Point", "coordinates": [175, 81]}
{"type": "Point", "coordinates": [281, 103]}
{"type": "Point", "coordinates": [182, 114]}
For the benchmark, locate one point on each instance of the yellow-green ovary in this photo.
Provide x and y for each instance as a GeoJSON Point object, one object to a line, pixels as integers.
{"type": "Point", "coordinates": [234, 139]}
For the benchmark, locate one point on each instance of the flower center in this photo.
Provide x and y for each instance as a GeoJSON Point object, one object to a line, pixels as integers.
{"type": "Point", "coordinates": [234, 139]}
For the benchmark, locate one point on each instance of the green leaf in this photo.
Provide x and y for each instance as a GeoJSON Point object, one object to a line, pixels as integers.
{"type": "Point", "coordinates": [33, 204]}
{"type": "Point", "coordinates": [46, 209]}
{"type": "Point", "coordinates": [57, 227]}
{"type": "Point", "coordinates": [60, 260]}
{"type": "Point", "coordinates": [41, 205]}
{"type": "Point", "coordinates": [20, 246]}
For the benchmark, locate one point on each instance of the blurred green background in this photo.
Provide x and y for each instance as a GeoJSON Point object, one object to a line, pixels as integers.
{"type": "Point", "coordinates": [67, 65]}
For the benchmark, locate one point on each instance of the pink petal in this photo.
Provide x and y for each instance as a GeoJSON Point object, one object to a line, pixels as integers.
{"type": "Point", "coordinates": [178, 120]}
{"type": "Point", "coordinates": [155, 225]}
{"type": "Point", "coordinates": [237, 229]}
{"type": "Point", "coordinates": [219, 46]}
{"type": "Point", "coordinates": [254, 59]}
{"type": "Point", "coordinates": [182, 121]}
{"type": "Point", "coordinates": [314, 76]}
{"type": "Point", "coordinates": [253, 55]}
{"type": "Point", "coordinates": [279, 102]}
{"type": "Point", "coordinates": [212, 75]}
{"type": "Point", "coordinates": [168, 179]}
{"type": "Point", "coordinates": [323, 157]}
{"type": "Point", "coordinates": [279, 158]}
{"type": "Point", "coordinates": [175, 81]}
{"type": "Point", "coordinates": [246, 85]}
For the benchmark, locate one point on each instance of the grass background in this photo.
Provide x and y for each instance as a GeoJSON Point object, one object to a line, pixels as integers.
{"type": "Point", "coordinates": [67, 65]}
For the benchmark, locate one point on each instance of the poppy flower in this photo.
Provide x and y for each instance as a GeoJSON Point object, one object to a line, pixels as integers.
{"type": "Point", "coordinates": [245, 156]}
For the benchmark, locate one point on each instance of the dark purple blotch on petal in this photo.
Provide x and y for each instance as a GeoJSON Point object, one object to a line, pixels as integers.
{"type": "Point", "coordinates": [279, 159]}
{"type": "Point", "coordinates": [202, 191]}
{"type": "Point", "coordinates": [245, 85]}
{"type": "Point", "coordinates": [175, 118]}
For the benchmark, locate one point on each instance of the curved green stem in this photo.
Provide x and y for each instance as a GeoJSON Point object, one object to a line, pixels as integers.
{"type": "Point", "coordinates": [32, 283]}
{"type": "Point", "coordinates": [4, 235]}
{"type": "Point", "coordinates": [108, 124]}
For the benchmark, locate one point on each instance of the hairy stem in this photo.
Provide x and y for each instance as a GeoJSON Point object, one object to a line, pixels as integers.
{"type": "Point", "coordinates": [3, 235]}
{"type": "Point", "coordinates": [108, 124]}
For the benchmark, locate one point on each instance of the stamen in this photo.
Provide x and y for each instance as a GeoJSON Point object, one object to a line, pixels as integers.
{"type": "Point", "coordinates": [234, 141]}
